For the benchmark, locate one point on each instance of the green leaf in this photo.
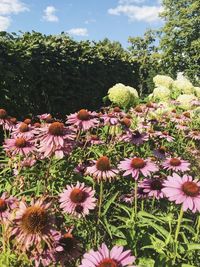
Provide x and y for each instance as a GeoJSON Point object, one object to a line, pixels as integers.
{"type": "Point", "coordinates": [109, 203]}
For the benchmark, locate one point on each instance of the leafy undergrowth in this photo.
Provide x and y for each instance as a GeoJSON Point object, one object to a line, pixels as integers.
{"type": "Point", "coordinates": [127, 179]}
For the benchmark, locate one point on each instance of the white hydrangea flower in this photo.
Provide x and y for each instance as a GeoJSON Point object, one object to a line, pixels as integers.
{"type": "Point", "coordinates": [185, 101]}
{"type": "Point", "coordinates": [183, 85]}
{"type": "Point", "coordinates": [161, 93]}
{"type": "Point", "coordinates": [196, 111]}
{"type": "Point", "coordinates": [134, 95]}
{"type": "Point", "coordinates": [120, 95]}
{"type": "Point", "coordinates": [197, 91]}
{"type": "Point", "coordinates": [133, 91]}
{"type": "Point", "coordinates": [163, 80]}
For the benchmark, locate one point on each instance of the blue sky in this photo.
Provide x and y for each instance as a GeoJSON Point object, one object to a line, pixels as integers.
{"type": "Point", "coordinates": [82, 19]}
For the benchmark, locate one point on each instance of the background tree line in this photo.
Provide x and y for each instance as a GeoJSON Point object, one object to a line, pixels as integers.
{"type": "Point", "coordinates": [56, 74]}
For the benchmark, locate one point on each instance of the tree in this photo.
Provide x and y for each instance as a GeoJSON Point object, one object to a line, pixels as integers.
{"type": "Point", "coordinates": [145, 52]}
{"type": "Point", "coordinates": [180, 37]}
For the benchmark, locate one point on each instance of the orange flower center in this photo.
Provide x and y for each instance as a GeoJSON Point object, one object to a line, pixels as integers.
{"type": "Point", "coordinates": [138, 163]}
{"type": "Point", "coordinates": [162, 149]}
{"type": "Point", "coordinates": [191, 189]}
{"type": "Point", "coordinates": [49, 119]}
{"type": "Point", "coordinates": [23, 127]}
{"type": "Point", "coordinates": [37, 124]}
{"type": "Point", "coordinates": [3, 114]}
{"type": "Point", "coordinates": [151, 131]}
{"type": "Point", "coordinates": [3, 205]}
{"type": "Point", "coordinates": [126, 122]}
{"type": "Point", "coordinates": [156, 184]}
{"type": "Point", "coordinates": [137, 134]}
{"type": "Point", "coordinates": [83, 115]}
{"type": "Point", "coordinates": [13, 120]}
{"type": "Point", "coordinates": [138, 109]}
{"type": "Point", "coordinates": [67, 241]}
{"type": "Point", "coordinates": [27, 121]}
{"type": "Point", "coordinates": [20, 142]}
{"type": "Point", "coordinates": [117, 109]}
{"type": "Point", "coordinates": [103, 164]}
{"type": "Point", "coordinates": [165, 133]}
{"type": "Point", "coordinates": [79, 209]}
{"type": "Point", "coordinates": [186, 114]}
{"type": "Point", "coordinates": [149, 105]}
{"type": "Point", "coordinates": [175, 162]}
{"type": "Point", "coordinates": [78, 196]}
{"type": "Point", "coordinates": [56, 128]}
{"type": "Point", "coordinates": [34, 220]}
{"type": "Point", "coordinates": [108, 263]}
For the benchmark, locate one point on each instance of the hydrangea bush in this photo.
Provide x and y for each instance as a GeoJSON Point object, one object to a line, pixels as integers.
{"type": "Point", "coordinates": [110, 188]}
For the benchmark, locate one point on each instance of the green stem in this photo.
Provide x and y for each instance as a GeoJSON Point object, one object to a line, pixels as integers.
{"type": "Point", "coordinates": [100, 200]}
{"type": "Point", "coordinates": [178, 225]}
{"type": "Point", "coordinates": [135, 198]}
{"type": "Point", "coordinates": [198, 229]}
{"type": "Point", "coordinates": [180, 217]}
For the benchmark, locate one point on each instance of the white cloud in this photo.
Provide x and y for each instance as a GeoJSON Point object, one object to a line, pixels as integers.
{"type": "Point", "coordinates": [49, 14]}
{"type": "Point", "coordinates": [4, 23]}
{"type": "Point", "coordinates": [89, 21]}
{"type": "Point", "coordinates": [12, 6]}
{"type": "Point", "coordinates": [139, 13]}
{"type": "Point", "coordinates": [128, 2]}
{"type": "Point", "coordinates": [78, 31]}
{"type": "Point", "coordinates": [9, 7]}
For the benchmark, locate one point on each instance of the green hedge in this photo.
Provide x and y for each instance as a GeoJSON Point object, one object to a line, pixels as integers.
{"type": "Point", "coordinates": [56, 74]}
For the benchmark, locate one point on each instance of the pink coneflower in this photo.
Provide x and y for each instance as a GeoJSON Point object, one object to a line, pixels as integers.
{"type": "Point", "coordinates": [94, 139]}
{"type": "Point", "coordinates": [127, 198]}
{"type": "Point", "coordinates": [33, 225]}
{"type": "Point", "coordinates": [165, 135]}
{"type": "Point", "coordinates": [176, 164]}
{"type": "Point", "coordinates": [183, 190]}
{"type": "Point", "coordinates": [153, 187]}
{"type": "Point", "coordinates": [177, 118]}
{"type": "Point", "coordinates": [182, 127]}
{"type": "Point", "coordinates": [45, 117]}
{"type": "Point", "coordinates": [68, 248]}
{"type": "Point", "coordinates": [102, 169]}
{"type": "Point", "coordinates": [7, 205]}
{"type": "Point", "coordinates": [136, 166]}
{"type": "Point", "coordinates": [77, 200]}
{"type": "Point", "coordinates": [46, 256]}
{"type": "Point", "coordinates": [160, 152]}
{"type": "Point", "coordinates": [135, 137]}
{"type": "Point", "coordinates": [55, 139]}
{"type": "Point", "coordinates": [116, 257]}
{"type": "Point", "coordinates": [4, 120]}
{"type": "Point", "coordinates": [24, 130]}
{"type": "Point", "coordinates": [139, 110]}
{"type": "Point", "coordinates": [194, 135]}
{"type": "Point", "coordinates": [110, 119]}
{"type": "Point", "coordinates": [83, 120]}
{"type": "Point", "coordinates": [19, 146]}
{"type": "Point", "coordinates": [126, 123]}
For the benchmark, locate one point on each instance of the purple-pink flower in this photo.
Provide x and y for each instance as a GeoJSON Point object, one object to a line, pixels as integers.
{"type": "Point", "coordinates": [77, 200]}
{"type": "Point", "coordinates": [183, 190]}
{"type": "Point", "coordinates": [19, 146]}
{"type": "Point", "coordinates": [152, 187]}
{"type": "Point", "coordinates": [55, 139]}
{"type": "Point", "coordinates": [7, 205]}
{"type": "Point", "coordinates": [83, 120]}
{"type": "Point", "coordinates": [33, 225]}
{"type": "Point", "coordinates": [176, 164]}
{"type": "Point", "coordinates": [136, 166]}
{"type": "Point", "coordinates": [102, 169]}
{"type": "Point", "coordinates": [103, 257]}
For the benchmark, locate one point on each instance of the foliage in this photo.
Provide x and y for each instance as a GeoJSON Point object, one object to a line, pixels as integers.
{"type": "Point", "coordinates": [180, 37]}
{"type": "Point", "coordinates": [56, 74]}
